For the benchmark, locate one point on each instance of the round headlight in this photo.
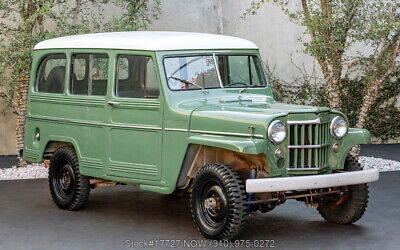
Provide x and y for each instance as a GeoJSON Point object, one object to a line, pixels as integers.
{"type": "Point", "coordinates": [277, 132]}
{"type": "Point", "coordinates": [338, 127]}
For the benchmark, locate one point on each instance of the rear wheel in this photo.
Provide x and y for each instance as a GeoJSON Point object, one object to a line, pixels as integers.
{"type": "Point", "coordinates": [69, 189]}
{"type": "Point", "coordinates": [218, 202]}
{"type": "Point", "coordinates": [350, 207]}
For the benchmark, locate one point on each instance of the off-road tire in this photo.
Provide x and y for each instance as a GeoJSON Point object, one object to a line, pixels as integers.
{"type": "Point", "coordinates": [354, 207]}
{"type": "Point", "coordinates": [65, 161]}
{"type": "Point", "coordinates": [234, 193]}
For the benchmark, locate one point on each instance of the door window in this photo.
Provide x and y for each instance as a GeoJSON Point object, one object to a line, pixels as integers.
{"type": "Point", "coordinates": [51, 74]}
{"type": "Point", "coordinates": [136, 77]}
{"type": "Point", "coordinates": [89, 74]}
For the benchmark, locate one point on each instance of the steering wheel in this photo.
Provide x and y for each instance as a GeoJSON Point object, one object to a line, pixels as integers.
{"type": "Point", "coordinates": [235, 83]}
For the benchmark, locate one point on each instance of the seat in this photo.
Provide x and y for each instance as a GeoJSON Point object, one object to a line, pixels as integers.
{"type": "Point", "coordinates": [56, 80]}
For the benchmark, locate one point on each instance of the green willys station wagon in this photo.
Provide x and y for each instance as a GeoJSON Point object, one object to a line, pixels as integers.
{"type": "Point", "coordinates": [183, 113]}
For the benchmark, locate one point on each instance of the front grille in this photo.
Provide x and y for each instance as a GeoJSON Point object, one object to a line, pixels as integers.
{"type": "Point", "coordinates": [308, 145]}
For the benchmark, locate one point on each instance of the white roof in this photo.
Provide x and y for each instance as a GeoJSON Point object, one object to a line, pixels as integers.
{"type": "Point", "coordinates": [148, 40]}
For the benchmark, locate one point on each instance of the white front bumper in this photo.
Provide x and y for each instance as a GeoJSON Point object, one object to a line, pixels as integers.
{"type": "Point", "coordinates": [310, 181]}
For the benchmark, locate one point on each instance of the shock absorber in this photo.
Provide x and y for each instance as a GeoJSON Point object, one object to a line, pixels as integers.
{"type": "Point", "coordinates": [250, 195]}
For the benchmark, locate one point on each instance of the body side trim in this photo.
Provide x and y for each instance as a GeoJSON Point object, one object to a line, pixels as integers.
{"type": "Point", "coordinates": [225, 133]}
{"type": "Point", "coordinates": [149, 127]}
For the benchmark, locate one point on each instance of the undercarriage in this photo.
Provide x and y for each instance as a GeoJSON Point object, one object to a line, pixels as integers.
{"type": "Point", "coordinates": [311, 197]}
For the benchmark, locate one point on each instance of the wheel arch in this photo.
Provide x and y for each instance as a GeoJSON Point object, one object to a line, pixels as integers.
{"type": "Point", "coordinates": [55, 142]}
{"type": "Point", "coordinates": [354, 137]}
{"type": "Point", "coordinates": [200, 154]}
{"type": "Point", "coordinates": [245, 145]}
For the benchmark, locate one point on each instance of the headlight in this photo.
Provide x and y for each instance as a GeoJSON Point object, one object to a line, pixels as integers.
{"type": "Point", "coordinates": [338, 127]}
{"type": "Point", "coordinates": [277, 132]}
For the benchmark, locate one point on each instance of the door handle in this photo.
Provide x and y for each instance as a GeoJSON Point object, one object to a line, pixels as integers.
{"type": "Point", "coordinates": [115, 104]}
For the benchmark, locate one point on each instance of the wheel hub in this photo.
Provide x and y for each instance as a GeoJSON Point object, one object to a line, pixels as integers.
{"type": "Point", "coordinates": [212, 204]}
{"type": "Point", "coordinates": [66, 180]}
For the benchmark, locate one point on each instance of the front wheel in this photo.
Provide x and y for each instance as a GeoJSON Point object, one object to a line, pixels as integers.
{"type": "Point", "coordinates": [69, 189]}
{"type": "Point", "coordinates": [218, 202]}
{"type": "Point", "coordinates": [350, 207]}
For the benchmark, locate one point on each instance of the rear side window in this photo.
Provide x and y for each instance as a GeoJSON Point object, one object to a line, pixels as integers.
{"type": "Point", "coordinates": [51, 74]}
{"type": "Point", "coordinates": [136, 77]}
{"type": "Point", "coordinates": [89, 74]}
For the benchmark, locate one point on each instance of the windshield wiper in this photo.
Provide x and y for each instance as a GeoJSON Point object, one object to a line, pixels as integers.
{"type": "Point", "coordinates": [192, 83]}
{"type": "Point", "coordinates": [251, 86]}
{"type": "Point", "coordinates": [256, 86]}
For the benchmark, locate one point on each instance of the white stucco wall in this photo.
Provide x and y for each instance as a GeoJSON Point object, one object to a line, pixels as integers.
{"type": "Point", "coordinates": [270, 29]}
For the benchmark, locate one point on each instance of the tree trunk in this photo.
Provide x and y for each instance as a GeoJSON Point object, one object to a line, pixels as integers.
{"type": "Point", "coordinates": [369, 99]}
{"type": "Point", "coordinates": [333, 86]}
{"type": "Point", "coordinates": [21, 118]}
{"type": "Point", "coordinates": [334, 94]}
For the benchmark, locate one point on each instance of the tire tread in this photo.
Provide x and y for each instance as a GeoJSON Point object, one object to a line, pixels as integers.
{"type": "Point", "coordinates": [82, 182]}
{"type": "Point", "coordinates": [236, 195]}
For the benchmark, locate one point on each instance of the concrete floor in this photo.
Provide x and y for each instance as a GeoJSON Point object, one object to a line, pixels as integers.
{"type": "Point", "coordinates": [385, 151]}
{"type": "Point", "coordinates": [7, 161]}
{"type": "Point", "coordinates": [30, 220]}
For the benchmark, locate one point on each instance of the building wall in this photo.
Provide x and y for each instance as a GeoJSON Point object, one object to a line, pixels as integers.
{"type": "Point", "coordinates": [8, 143]}
{"type": "Point", "coordinates": [270, 29]}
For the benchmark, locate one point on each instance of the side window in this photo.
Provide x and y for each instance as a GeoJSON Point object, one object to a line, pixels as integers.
{"type": "Point", "coordinates": [51, 74]}
{"type": "Point", "coordinates": [89, 74]}
{"type": "Point", "coordinates": [136, 77]}
{"type": "Point", "coordinates": [123, 69]}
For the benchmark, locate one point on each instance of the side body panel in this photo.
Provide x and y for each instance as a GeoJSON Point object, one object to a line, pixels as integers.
{"type": "Point", "coordinates": [64, 117]}
{"type": "Point", "coordinates": [135, 135]}
{"type": "Point", "coordinates": [103, 136]}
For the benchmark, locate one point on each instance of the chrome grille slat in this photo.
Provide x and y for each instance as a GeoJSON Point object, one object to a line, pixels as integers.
{"type": "Point", "coordinates": [308, 144]}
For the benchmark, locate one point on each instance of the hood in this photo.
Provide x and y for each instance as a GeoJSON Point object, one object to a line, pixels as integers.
{"type": "Point", "coordinates": [232, 116]}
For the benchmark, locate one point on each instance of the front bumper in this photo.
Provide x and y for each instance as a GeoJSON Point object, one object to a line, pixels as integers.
{"type": "Point", "coordinates": [310, 181]}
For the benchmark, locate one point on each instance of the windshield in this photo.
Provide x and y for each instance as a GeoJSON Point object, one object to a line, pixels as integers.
{"type": "Point", "coordinates": [202, 71]}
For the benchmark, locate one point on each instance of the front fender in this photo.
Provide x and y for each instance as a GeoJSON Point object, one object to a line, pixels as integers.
{"type": "Point", "coordinates": [355, 136]}
{"type": "Point", "coordinates": [237, 144]}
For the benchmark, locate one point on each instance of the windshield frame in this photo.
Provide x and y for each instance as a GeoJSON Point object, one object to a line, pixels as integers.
{"type": "Point", "coordinates": [214, 54]}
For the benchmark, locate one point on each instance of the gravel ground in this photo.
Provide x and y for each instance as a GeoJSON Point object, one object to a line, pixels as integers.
{"type": "Point", "coordinates": [382, 165]}
{"type": "Point", "coordinates": [37, 171]}
{"type": "Point", "coordinates": [34, 171]}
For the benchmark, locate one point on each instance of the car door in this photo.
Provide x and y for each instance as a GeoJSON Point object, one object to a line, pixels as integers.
{"type": "Point", "coordinates": [84, 105]}
{"type": "Point", "coordinates": [135, 141]}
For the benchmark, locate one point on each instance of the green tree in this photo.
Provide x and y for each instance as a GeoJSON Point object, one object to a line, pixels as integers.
{"type": "Point", "coordinates": [336, 26]}
{"type": "Point", "coordinates": [24, 23]}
